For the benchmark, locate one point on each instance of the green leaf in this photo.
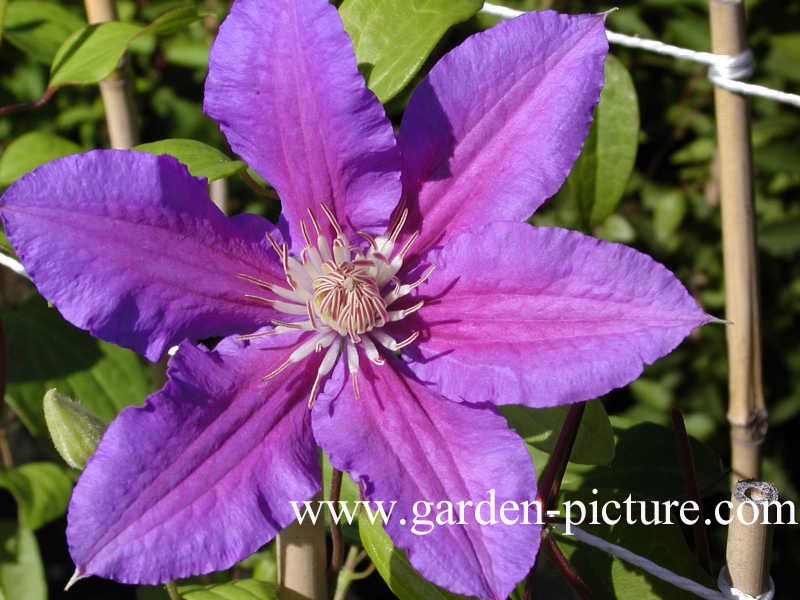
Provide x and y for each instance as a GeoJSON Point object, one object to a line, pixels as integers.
{"type": "Point", "coordinates": [610, 578]}
{"type": "Point", "coordinates": [669, 208]}
{"type": "Point", "coordinates": [242, 589]}
{"type": "Point", "coordinates": [3, 7]}
{"type": "Point", "coordinates": [41, 490]}
{"type": "Point", "coordinates": [394, 567]}
{"type": "Point", "coordinates": [646, 464]}
{"type": "Point", "coordinates": [74, 430]}
{"type": "Point", "coordinates": [600, 174]}
{"type": "Point", "coordinates": [781, 238]}
{"type": "Point", "coordinates": [262, 564]}
{"type": "Point", "coordinates": [174, 20]}
{"type": "Point", "coordinates": [47, 352]}
{"type": "Point", "coordinates": [616, 228]}
{"type": "Point", "coordinates": [202, 159]}
{"type": "Point", "coordinates": [39, 28]}
{"type": "Point", "coordinates": [21, 570]}
{"type": "Point", "coordinates": [91, 54]}
{"type": "Point", "coordinates": [393, 38]}
{"type": "Point", "coordinates": [540, 428]}
{"type": "Point", "coordinates": [31, 150]}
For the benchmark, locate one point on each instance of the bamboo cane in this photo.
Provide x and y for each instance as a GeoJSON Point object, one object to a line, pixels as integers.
{"type": "Point", "coordinates": [746, 410]}
{"type": "Point", "coordinates": [302, 560]}
{"type": "Point", "coordinates": [115, 89]}
{"type": "Point", "coordinates": [750, 537]}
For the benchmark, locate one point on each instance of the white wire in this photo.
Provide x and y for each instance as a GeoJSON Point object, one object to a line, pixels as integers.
{"type": "Point", "coordinates": [648, 565]}
{"type": "Point", "coordinates": [731, 593]}
{"type": "Point", "coordinates": [724, 71]}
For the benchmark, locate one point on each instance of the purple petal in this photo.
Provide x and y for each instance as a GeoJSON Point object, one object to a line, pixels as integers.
{"type": "Point", "coordinates": [402, 443]}
{"type": "Point", "coordinates": [496, 126]}
{"type": "Point", "coordinates": [545, 316]}
{"type": "Point", "coordinates": [284, 85]}
{"type": "Point", "coordinates": [203, 474]}
{"type": "Point", "coordinates": [129, 246]}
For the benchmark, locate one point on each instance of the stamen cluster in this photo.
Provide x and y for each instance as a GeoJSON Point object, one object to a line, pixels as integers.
{"type": "Point", "coordinates": [345, 293]}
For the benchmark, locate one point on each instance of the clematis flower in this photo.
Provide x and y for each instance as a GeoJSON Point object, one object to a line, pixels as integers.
{"type": "Point", "coordinates": [398, 301]}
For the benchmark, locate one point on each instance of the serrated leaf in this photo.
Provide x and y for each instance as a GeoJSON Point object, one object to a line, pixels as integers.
{"type": "Point", "coordinates": [92, 53]}
{"type": "Point", "coordinates": [21, 570]}
{"type": "Point", "coordinates": [31, 150]}
{"type": "Point", "coordinates": [242, 589]}
{"type": "Point", "coordinates": [394, 568]}
{"type": "Point", "coordinates": [201, 159]}
{"type": "Point", "coordinates": [41, 490]}
{"type": "Point", "coordinates": [44, 351]}
{"type": "Point", "coordinates": [540, 427]}
{"type": "Point", "coordinates": [600, 174]}
{"type": "Point", "coordinates": [393, 38]}
{"type": "Point", "coordinates": [39, 28]}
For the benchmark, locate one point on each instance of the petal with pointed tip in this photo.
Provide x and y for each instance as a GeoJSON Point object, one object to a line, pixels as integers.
{"type": "Point", "coordinates": [543, 316]}
{"type": "Point", "coordinates": [402, 443]}
{"type": "Point", "coordinates": [129, 246]}
{"type": "Point", "coordinates": [494, 129]}
{"type": "Point", "coordinates": [203, 474]}
{"type": "Point", "coordinates": [284, 85]}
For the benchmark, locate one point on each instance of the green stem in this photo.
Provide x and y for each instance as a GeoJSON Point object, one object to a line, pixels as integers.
{"type": "Point", "coordinates": [172, 591]}
{"type": "Point", "coordinates": [348, 573]}
{"type": "Point", "coordinates": [5, 449]}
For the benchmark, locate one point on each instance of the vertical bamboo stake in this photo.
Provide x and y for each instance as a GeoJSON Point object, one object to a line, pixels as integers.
{"type": "Point", "coordinates": [746, 411]}
{"type": "Point", "coordinates": [115, 89]}
{"type": "Point", "coordinates": [750, 537]}
{"type": "Point", "coordinates": [302, 568]}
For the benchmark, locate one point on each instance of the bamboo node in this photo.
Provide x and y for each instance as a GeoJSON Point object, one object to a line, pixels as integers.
{"type": "Point", "coordinates": [751, 431]}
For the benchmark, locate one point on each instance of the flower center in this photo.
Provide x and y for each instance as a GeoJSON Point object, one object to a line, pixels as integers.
{"type": "Point", "coordinates": [347, 298]}
{"type": "Point", "coordinates": [342, 293]}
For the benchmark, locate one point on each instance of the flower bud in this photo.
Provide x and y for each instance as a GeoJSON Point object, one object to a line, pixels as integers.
{"type": "Point", "coordinates": [74, 430]}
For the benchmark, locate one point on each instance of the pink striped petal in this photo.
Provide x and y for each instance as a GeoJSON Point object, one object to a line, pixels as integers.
{"type": "Point", "coordinates": [129, 246]}
{"type": "Point", "coordinates": [203, 474]}
{"type": "Point", "coordinates": [402, 443]}
{"type": "Point", "coordinates": [496, 126]}
{"type": "Point", "coordinates": [544, 316]}
{"type": "Point", "coordinates": [284, 85]}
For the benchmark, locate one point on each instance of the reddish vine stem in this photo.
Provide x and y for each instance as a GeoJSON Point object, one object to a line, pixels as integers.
{"type": "Point", "coordinates": [692, 491]}
{"type": "Point", "coordinates": [550, 481]}
{"type": "Point", "coordinates": [337, 554]}
{"type": "Point", "coordinates": [569, 573]}
{"type": "Point", "coordinates": [13, 108]}
{"type": "Point", "coordinates": [257, 187]}
{"type": "Point", "coordinates": [553, 473]}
